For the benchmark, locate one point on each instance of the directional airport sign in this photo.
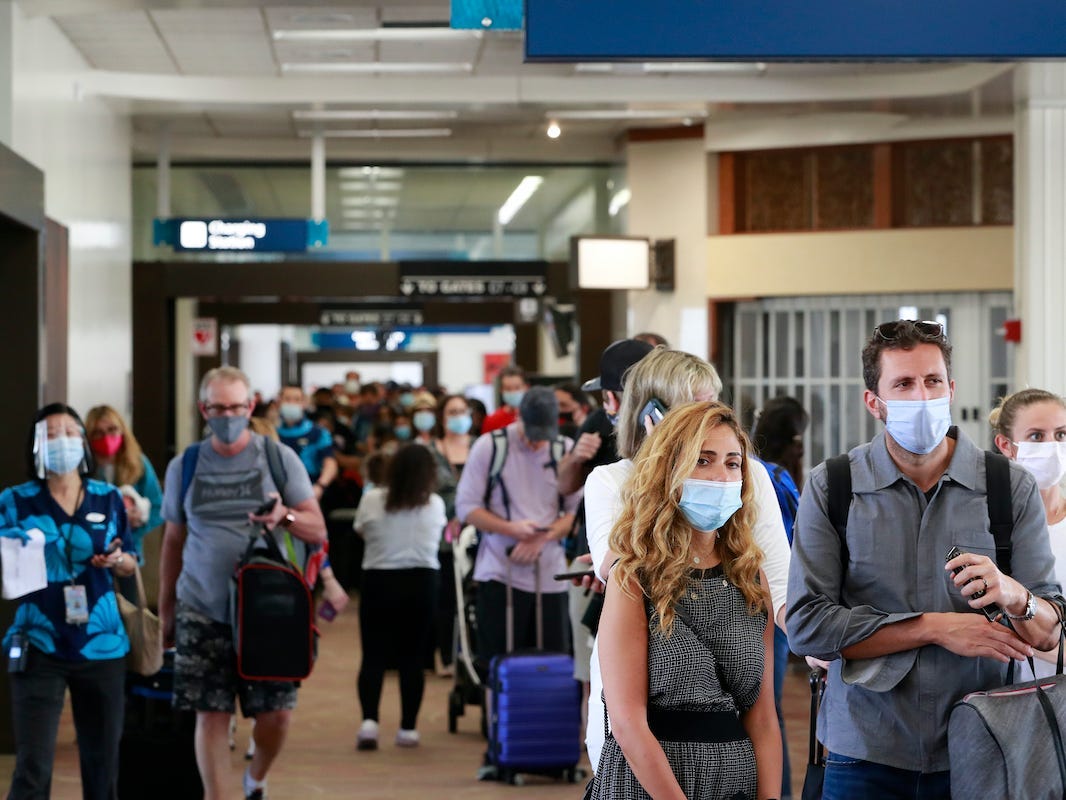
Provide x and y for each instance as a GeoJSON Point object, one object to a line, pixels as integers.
{"type": "Point", "coordinates": [488, 279]}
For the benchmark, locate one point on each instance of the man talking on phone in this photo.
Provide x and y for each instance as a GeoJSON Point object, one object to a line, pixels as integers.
{"type": "Point", "coordinates": [523, 519]}
{"type": "Point", "coordinates": [869, 589]}
{"type": "Point", "coordinates": [213, 504]}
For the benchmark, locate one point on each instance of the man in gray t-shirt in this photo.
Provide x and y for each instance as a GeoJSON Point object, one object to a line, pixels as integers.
{"type": "Point", "coordinates": [208, 527]}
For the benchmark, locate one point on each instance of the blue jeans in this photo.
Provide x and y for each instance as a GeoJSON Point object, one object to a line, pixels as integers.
{"type": "Point", "coordinates": [780, 665]}
{"type": "Point", "coordinates": [848, 778]}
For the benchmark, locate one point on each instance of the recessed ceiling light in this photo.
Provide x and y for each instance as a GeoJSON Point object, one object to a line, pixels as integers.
{"type": "Point", "coordinates": [392, 34]}
{"type": "Point", "coordinates": [372, 113]}
{"type": "Point", "coordinates": [376, 67]}
{"type": "Point", "coordinates": [381, 133]}
{"type": "Point", "coordinates": [554, 131]}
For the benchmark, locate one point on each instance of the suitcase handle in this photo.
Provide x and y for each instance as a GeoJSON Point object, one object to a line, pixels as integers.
{"type": "Point", "coordinates": [816, 752]}
{"type": "Point", "coordinates": [538, 608]}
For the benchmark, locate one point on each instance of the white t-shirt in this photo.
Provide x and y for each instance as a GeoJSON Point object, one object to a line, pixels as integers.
{"type": "Point", "coordinates": [1057, 533]}
{"type": "Point", "coordinates": [399, 539]}
{"type": "Point", "coordinates": [603, 504]}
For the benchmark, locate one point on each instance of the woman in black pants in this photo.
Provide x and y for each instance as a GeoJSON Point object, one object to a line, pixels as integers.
{"type": "Point", "coordinates": [402, 527]}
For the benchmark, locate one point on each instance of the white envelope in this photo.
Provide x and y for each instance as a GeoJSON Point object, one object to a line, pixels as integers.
{"type": "Point", "coordinates": [24, 570]}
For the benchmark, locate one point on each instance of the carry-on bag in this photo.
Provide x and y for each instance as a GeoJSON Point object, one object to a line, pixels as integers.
{"type": "Point", "coordinates": [272, 615]}
{"type": "Point", "coordinates": [535, 707]}
{"type": "Point", "coordinates": [157, 754]}
{"type": "Point", "coordinates": [812, 781]}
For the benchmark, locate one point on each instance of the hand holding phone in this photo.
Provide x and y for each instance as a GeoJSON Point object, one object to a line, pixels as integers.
{"type": "Point", "coordinates": [266, 508]}
{"type": "Point", "coordinates": [991, 611]}
{"type": "Point", "coordinates": [575, 575]}
{"type": "Point", "coordinates": [653, 412]}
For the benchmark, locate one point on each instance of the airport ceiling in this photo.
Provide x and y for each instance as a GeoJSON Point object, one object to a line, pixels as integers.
{"type": "Point", "coordinates": [233, 80]}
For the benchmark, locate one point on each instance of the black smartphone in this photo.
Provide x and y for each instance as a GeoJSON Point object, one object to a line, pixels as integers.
{"type": "Point", "coordinates": [116, 543]}
{"type": "Point", "coordinates": [653, 409]}
{"type": "Point", "coordinates": [569, 576]}
{"type": "Point", "coordinates": [992, 610]}
{"type": "Point", "coordinates": [266, 508]}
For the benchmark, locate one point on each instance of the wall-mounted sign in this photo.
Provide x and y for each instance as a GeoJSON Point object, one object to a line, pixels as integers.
{"type": "Point", "coordinates": [562, 30]}
{"type": "Point", "coordinates": [204, 337]}
{"type": "Point", "coordinates": [370, 317]}
{"type": "Point", "coordinates": [497, 279]}
{"type": "Point", "coordinates": [241, 235]}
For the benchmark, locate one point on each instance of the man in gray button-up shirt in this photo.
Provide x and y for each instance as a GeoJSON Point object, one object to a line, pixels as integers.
{"type": "Point", "coordinates": [902, 633]}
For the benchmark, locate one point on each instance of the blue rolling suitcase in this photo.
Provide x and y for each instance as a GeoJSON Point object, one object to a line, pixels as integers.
{"type": "Point", "coordinates": [535, 708]}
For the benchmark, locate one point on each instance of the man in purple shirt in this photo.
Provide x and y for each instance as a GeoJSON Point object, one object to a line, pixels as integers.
{"type": "Point", "coordinates": [523, 519]}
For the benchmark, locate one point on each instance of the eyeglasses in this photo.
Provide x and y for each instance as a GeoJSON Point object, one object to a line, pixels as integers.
{"type": "Point", "coordinates": [925, 330]}
{"type": "Point", "coordinates": [218, 410]}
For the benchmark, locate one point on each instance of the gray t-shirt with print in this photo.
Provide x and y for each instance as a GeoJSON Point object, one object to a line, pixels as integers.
{"type": "Point", "coordinates": [224, 490]}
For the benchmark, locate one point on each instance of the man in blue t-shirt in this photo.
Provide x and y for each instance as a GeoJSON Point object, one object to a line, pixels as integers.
{"type": "Point", "coordinates": [312, 443]}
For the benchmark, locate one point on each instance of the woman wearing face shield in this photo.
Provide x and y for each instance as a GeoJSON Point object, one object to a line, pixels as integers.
{"type": "Point", "coordinates": [67, 632]}
{"type": "Point", "coordinates": [1030, 428]}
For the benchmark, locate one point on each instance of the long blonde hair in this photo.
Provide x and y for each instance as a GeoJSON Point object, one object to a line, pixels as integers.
{"type": "Point", "coordinates": [129, 465]}
{"type": "Point", "coordinates": [652, 537]}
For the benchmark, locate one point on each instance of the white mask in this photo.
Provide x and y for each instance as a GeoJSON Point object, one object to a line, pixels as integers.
{"type": "Point", "coordinates": [1046, 460]}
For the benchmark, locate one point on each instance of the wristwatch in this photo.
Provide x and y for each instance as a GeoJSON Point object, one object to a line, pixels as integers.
{"type": "Point", "coordinates": [288, 520]}
{"type": "Point", "coordinates": [1030, 610]}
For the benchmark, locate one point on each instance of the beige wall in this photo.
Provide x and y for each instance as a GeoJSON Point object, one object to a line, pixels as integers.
{"type": "Point", "coordinates": [669, 181]}
{"type": "Point", "coordinates": [860, 262]}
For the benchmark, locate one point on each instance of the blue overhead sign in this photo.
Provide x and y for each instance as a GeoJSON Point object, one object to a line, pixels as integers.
{"type": "Point", "coordinates": [495, 15]}
{"type": "Point", "coordinates": [564, 30]}
{"type": "Point", "coordinates": [241, 235]}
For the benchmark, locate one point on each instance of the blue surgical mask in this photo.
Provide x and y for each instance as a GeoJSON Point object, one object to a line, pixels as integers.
{"type": "Point", "coordinates": [407, 399]}
{"type": "Point", "coordinates": [403, 432]}
{"type": "Point", "coordinates": [460, 425]}
{"type": "Point", "coordinates": [292, 412]}
{"type": "Point", "coordinates": [513, 399]}
{"type": "Point", "coordinates": [918, 426]}
{"type": "Point", "coordinates": [64, 454]}
{"type": "Point", "coordinates": [227, 429]}
{"type": "Point", "coordinates": [708, 505]}
{"type": "Point", "coordinates": [424, 420]}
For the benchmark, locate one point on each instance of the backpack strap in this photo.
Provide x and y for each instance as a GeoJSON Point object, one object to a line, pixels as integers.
{"type": "Point", "coordinates": [499, 457]}
{"type": "Point", "coordinates": [558, 450]}
{"type": "Point", "coordinates": [1000, 509]}
{"type": "Point", "coordinates": [188, 470]}
{"type": "Point", "coordinates": [838, 475]}
{"type": "Point", "coordinates": [275, 464]}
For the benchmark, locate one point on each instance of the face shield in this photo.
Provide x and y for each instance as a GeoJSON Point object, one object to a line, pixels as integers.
{"type": "Point", "coordinates": [59, 455]}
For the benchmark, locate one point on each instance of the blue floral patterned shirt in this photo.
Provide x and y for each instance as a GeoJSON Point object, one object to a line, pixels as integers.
{"type": "Point", "coordinates": [70, 543]}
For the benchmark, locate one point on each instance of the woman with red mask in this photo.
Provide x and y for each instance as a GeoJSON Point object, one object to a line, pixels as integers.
{"type": "Point", "coordinates": [120, 461]}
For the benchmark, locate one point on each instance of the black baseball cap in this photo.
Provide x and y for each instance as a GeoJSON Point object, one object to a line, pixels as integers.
{"type": "Point", "coordinates": [617, 357]}
{"type": "Point", "coordinates": [539, 412]}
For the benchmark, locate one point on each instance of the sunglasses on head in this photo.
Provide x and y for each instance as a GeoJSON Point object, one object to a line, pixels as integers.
{"type": "Point", "coordinates": [891, 331]}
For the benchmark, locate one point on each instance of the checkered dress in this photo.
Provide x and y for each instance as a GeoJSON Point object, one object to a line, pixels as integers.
{"type": "Point", "coordinates": [719, 670]}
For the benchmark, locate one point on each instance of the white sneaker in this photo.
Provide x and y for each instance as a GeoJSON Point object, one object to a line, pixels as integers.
{"type": "Point", "coordinates": [367, 738]}
{"type": "Point", "coordinates": [253, 789]}
{"type": "Point", "coordinates": [406, 738]}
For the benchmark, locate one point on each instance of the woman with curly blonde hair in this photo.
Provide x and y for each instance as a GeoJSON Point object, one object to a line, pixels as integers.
{"type": "Point", "coordinates": [686, 641]}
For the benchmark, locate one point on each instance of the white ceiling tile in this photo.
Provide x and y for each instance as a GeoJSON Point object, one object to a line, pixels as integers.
{"type": "Point", "coordinates": [305, 52]}
{"type": "Point", "coordinates": [320, 17]}
{"type": "Point", "coordinates": [463, 50]}
{"type": "Point", "coordinates": [252, 125]}
{"type": "Point", "coordinates": [225, 42]}
{"type": "Point", "coordinates": [123, 41]}
{"type": "Point", "coordinates": [416, 12]}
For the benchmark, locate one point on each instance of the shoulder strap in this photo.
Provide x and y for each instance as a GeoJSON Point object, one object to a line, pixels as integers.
{"type": "Point", "coordinates": [188, 469]}
{"type": "Point", "coordinates": [838, 475]}
{"type": "Point", "coordinates": [276, 465]}
{"type": "Point", "coordinates": [499, 456]}
{"type": "Point", "coordinates": [558, 450]}
{"type": "Point", "coordinates": [1000, 509]}
{"type": "Point", "coordinates": [791, 499]}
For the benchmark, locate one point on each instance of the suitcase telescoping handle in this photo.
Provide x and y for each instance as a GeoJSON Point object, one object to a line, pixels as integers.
{"type": "Point", "coordinates": [539, 609]}
{"type": "Point", "coordinates": [817, 680]}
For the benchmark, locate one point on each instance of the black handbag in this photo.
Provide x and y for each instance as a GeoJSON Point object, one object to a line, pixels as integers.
{"type": "Point", "coordinates": [812, 781]}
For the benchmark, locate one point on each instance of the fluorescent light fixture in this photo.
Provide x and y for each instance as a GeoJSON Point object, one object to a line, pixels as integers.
{"type": "Point", "coordinates": [368, 213]}
{"type": "Point", "coordinates": [400, 33]}
{"type": "Point", "coordinates": [611, 262]}
{"type": "Point", "coordinates": [626, 113]}
{"type": "Point", "coordinates": [619, 201]}
{"type": "Point", "coordinates": [381, 133]}
{"type": "Point", "coordinates": [370, 172]}
{"type": "Point", "coordinates": [377, 67]}
{"type": "Point", "coordinates": [371, 186]}
{"type": "Point", "coordinates": [706, 67]}
{"type": "Point", "coordinates": [513, 204]}
{"type": "Point", "coordinates": [371, 113]}
{"type": "Point", "coordinates": [370, 200]}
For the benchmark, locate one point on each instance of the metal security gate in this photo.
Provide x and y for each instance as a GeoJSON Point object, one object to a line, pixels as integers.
{"type": "Point", "coordinates": [810, 348]}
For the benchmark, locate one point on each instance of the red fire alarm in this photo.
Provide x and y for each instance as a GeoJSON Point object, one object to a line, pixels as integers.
{"type": "Point", "coordinates": [1011, 330]}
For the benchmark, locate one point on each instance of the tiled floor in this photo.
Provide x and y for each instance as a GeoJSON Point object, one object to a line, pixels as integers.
{"type": "Point", "coordinates": [319, 760]}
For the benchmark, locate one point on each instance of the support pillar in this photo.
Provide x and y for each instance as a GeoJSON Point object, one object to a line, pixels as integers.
{"type": "Point", "coordinates": [1040, 224]}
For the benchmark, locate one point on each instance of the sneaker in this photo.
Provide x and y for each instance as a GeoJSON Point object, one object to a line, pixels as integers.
{"type": "Point", "coordinates": [406, 738]}
{"type": "Point", "coordinates": [253, 789]}
{"type": "Point", "coordinates": [367, 738]}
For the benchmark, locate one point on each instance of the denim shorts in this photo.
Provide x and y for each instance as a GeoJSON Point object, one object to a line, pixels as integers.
{"type": "Point", "coordinates": [205, 671]}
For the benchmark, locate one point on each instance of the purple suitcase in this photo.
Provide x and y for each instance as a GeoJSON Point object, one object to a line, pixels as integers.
{"type": "Point", "coordinates": [535, 711]}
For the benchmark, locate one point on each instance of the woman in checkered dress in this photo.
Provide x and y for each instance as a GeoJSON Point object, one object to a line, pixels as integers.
{"type": "Point", "coordinates": [685, 645]}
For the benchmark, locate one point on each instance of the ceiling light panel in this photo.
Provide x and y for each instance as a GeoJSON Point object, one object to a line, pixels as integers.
{"type": "Point", "coordinates": [625, 113]}
{"type": "Point", "coordinates": [374, 172]}
{"type": "Point", "coordinates": [360, 201]}
{"type": "Point", "coordinates": [371, 186]}
{"type": "Point", "coordinates": [221, 42]}
{"type": "Point", "coordinates": [380, 133]}
{"type": "Point", "coordinates": [297, 52]}
{"type": "Point", "coordinates": [374, 34]}
{"type": "Point", "coordinates": [290, 18]}
{"type": "Point", "coordinates": [340, 114]}
{"type": "Point", "coordinates": [377, 68]}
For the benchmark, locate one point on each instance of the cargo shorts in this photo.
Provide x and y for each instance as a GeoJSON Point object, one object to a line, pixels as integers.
{"type": "Point", "coordinates": [205, 671]}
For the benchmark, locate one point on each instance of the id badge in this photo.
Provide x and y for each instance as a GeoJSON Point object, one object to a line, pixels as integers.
{"type": "Point", "coordinates": [77, 604]}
